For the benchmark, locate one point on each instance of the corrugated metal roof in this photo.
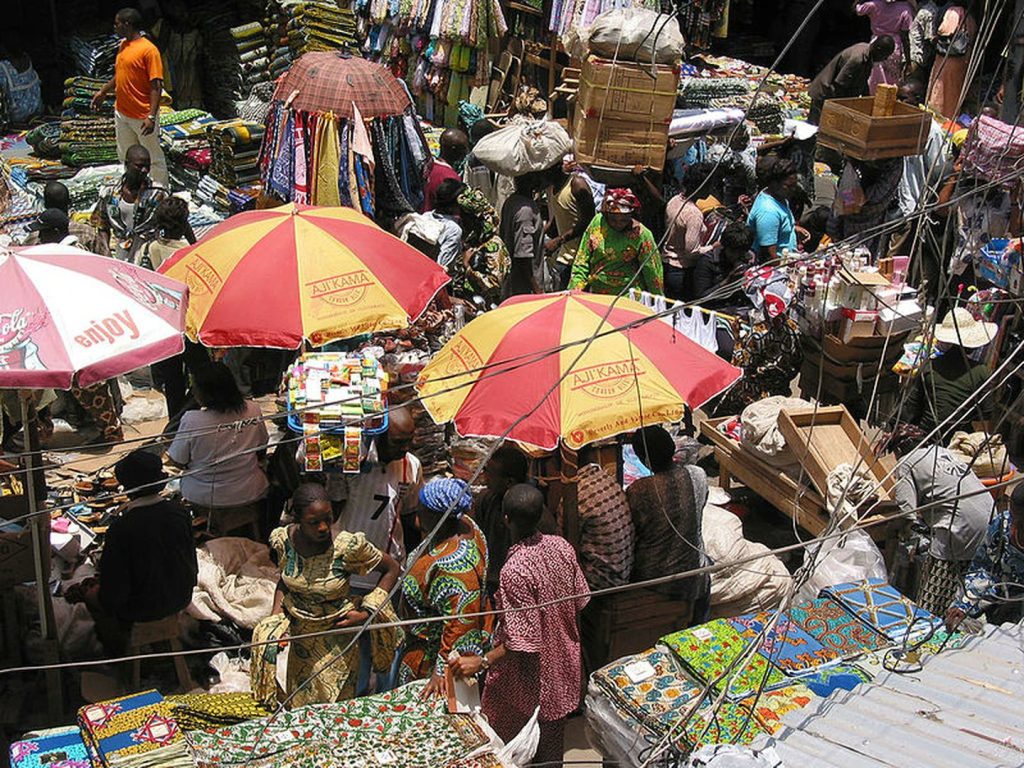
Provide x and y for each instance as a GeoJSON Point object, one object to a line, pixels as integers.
{"type": "Point", "coordinates": [965, 708]}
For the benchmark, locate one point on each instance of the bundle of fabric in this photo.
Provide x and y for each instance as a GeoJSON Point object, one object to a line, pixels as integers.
{"type": "Point", "coordinates": [703, 92]}
{"type": "Point", "coordinates": [254, 108]}
{"type": "Point", "coordinates": [252, 65]}
{"type": "Point", "coordinates": [235, 147]}
{"type": "Point", "coordinates": [203, 218]}
{"type": "Point", "coordinates": [195, 711]}
{"type": "Point", "coordinates": [52, 747]}
{"type": "Point", "coordinates": [45, 140]}
{"type": "Point", "coordinates": [94, 55]}
{"type": "Point", "coordinates": [711, 653]}
{"type": "Point", "coordinates": [788, 646]}
{"type": "Point", "coordinates": [186, 146]}
{"type": "Point", "coordinates": [84, 187]}
{"type": "Point", "coordinates": [78, 95]}
{"type": "Point", "coordinates": [220, 67]}
{"type": "Point", "coordinates": [320, 26]}
{"type": "Point", "coordinates": [88, 140]}
{"type": "Point", "coordinates": [244, 198]}
{"type": "Point", "coordinates": [211, 192]}
{"type": "Point", "coordinates": [134, 731]}
{"type": "Point", "coordinates": [236, 582]}
{"type": "Point", "coordinates": [883, 608]}
{"type": "Point", "coordinates": [408, 730]}
{"type": "Point", "coordinates": [766, 114]}
{"type": "Point", "coordinates": [836, 628]}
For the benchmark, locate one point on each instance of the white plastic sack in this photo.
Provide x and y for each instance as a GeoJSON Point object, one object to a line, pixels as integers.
{"type": "Point", "coordinates": [853, 557]}
{"type": "Point", "coordinates": [636, 34]}
{"type": "Point", "coordinates": [233, 674]}
{"type": "Point", "coordinates": [734, 756]}
{"type": "Point", "coordinates": [523, 146]}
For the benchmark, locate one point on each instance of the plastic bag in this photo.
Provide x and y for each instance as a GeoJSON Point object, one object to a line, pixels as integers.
{"type": "Point", "coordinates": [849, 195]}
{"type": "Point", "coordinates": [523, 146]}
{"type": "Point", "coordinates": [734, 756]}
{"type": "Point", "coordinates": [636, 34]}
{"type": "Point", "coordinates": [853, 557]}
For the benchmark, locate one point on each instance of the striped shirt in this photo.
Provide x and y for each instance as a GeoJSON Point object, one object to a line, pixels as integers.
{"type": "Point", "coordinates": [606, 529]}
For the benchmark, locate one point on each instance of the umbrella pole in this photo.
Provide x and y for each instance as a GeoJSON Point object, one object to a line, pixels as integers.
{"type": "Point", "coordinates": [40, 527]}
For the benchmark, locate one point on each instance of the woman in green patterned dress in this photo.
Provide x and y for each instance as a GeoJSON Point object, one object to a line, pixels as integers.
{"type": "Point", "coordinates": [449, 579]}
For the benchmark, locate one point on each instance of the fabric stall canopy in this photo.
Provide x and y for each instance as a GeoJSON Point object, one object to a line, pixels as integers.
{"type": "Point", "coordinates": [274, 277]}
{"type": "Point", "coordinates": [342, 131]}
{"type": "Point", "coordinates": [500, 366]}
{"type": "Point", "coordinates": [70, 316]}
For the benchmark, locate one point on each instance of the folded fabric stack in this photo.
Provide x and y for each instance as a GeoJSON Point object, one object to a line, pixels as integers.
{"type": "Point", "coordinates": [884, 609]}
{"type": "Point", "coordinates": [84, 187]}
{"type": "Point", "coordinates": [253, 65]}
{"type": "Point", "coordinates": [94, 55]}
{"type": "Point", "coordinates": [395, 728]}
{"type": "Point", "coordinates": [703, 92]}
{"type": "Point", "coordinates": [203, 219]}
{"type": "Point", "coordinates": [244, 198]}
{"type": "Point", "coordinates": [52, 747]}
{"type": "Point", "coordinates": [45, 140]}
{"type": "Point", "coordinates": [766, 114]}
{"type": "Point", "coordinates": [78, 94]}
{"type": "Point", "coordinates": [186, 145]}
{"type": "Point", "coordinates": [134, 731]}
{"type": "Point", "coordinates": [235, 147]}
{"type": "Point", "coordinates": [321, 27]}
{"type": "Point", "coordinates": [88, 140]}
{"type": "Point", "coordinates": [195, 711]}
{"type": "Point", "coordinates": [211, 192]}
{"type": "Point", "coordinates": [219, 65]}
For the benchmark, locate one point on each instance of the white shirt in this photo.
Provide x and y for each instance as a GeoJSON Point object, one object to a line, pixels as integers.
{"type": "Point", "coordinates": [223, 469]}
{"type": "Point", "coordinates": [919, 170]}
{"type": "Point", "coordinates": [375, 501]}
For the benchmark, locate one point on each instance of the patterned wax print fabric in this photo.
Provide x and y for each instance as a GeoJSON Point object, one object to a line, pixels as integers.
{"type": "Point", "coordinates": [724, 723]}
{"type": "Point", "coordinates": [710, 649]}
{"type": "Point", "coordinates": [450, 579]}
{"type": "Point", "coordinates": [996, 573]}
{"type": "Point", "coordinates": [56, 748]}
{"type": "Point", "coordinates": [396, 726]}
{"type": "Point", "coordinates": [787, 645]}
{"type": "Point", "coordinates": [194, 711]}
{"type": "Point", "coordinates": [317, 597]}
{"type": "Point", "coordinates": [836, 628]}
{"type": "Point", "coordinates": [880, 606]}
{"type": "Point", "coordinates": [136, 731]}
{"type": "Point", "coordinates": [837, 677]}
{"type": "Point", "coordinates": [770, 706]}
{"type": "Point", "coordinates": [651, 688]}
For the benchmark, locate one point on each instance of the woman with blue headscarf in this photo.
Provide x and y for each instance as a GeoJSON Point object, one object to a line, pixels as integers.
{"type": "Point", "coordinates": [448, 579]}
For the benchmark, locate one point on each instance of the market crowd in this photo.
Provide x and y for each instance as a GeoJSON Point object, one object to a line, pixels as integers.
{"type": "Point", "coordinates": [492, 589]}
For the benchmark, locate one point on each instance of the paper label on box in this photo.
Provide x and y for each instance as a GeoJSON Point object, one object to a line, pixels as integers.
{"type": "Point", "coordinates": [702, 633]}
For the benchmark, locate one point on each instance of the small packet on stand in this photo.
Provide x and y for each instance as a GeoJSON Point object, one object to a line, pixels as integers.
{"type": "Point", "coordinates": [351, 450]}
{"type": "Point", "coordinates": [311, 441]}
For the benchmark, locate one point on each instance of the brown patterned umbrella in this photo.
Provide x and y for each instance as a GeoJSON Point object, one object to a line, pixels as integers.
{"type": "Point", "coordinates": [329, 81]}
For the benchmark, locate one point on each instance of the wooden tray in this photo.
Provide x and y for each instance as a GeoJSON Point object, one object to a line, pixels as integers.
{"type": "Point", "coordinates": [826, 437]}
{"type": "Point", "coordinates": [848, 126]}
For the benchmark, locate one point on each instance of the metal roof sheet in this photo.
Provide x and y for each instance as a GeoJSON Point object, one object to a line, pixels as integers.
{"type": "Point", "coordinates": [965, 708]}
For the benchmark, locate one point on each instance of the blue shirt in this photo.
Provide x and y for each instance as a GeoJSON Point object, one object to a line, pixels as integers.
{"type": "Point", "coordinates": [996, 574]}
{"type": "Point", "coordinates": [772, 223]}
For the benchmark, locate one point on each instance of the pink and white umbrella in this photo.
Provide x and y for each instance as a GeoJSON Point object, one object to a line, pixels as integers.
{"type": "Point", "coordinates": [64, 311]}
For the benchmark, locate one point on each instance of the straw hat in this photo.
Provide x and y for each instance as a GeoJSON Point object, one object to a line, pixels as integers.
{"type": "Point", "coordinates": [961, 327]}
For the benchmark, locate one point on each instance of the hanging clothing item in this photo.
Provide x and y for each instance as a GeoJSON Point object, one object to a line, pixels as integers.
{"type": "Point", "coordinates": [327, 169]}
{"type": "Point", "coordinates": [300, 194]}
{"type": "Point", "coordinates": [698, 325]}
{"type": "Point", "coordinates": [345, 166]}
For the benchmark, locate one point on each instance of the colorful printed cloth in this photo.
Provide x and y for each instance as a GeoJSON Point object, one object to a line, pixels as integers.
{"type": "Point", "coordinates": [883, 608]}
{"type": "Point", "coordinates": [710, 649]}
{"type": "Point", "coordinates": [836, 628]}
{"type": "Point", "coordinates": [726, 723]}
{"type": "Point", "coordinates": [194, 711]}
{"type": "Point", "coordinates": [448, 580]}
{"type": "Point", "coordinates": [828, 680]}
{"type": "Point", "coordinates": [608, 260]}
{"type": "Point", "coordinates": [656, 702]}
{"type": "Point", "coordinates": [770, 706]}
{"type": "Point", "coordinates": [415, 733]}
{"type": "Point", "coordinates": [57, 748]}
{"type": "Point", "coordinates": [135, 730]}
{"type": "Point", "coordinates": [787, 645]}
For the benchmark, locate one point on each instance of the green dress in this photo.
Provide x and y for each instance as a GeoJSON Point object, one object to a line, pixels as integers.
{"type": "Point", "coordinates": [607, 260]}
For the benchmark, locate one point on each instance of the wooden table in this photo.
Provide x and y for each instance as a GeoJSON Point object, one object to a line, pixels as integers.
{"type": "Point", "coordinates": [800, 503]}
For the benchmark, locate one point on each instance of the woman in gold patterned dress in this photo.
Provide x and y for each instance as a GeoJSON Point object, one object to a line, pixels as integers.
{"type": "Point", "coordinates": [313, 595]}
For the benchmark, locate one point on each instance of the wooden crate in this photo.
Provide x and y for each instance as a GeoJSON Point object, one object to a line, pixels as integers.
{"type": "Point", "coordinates": [863, 349]}
{"type": "Point", "coordinates": [826, 437]}
{"type": "Point", "coordinates": [848, 126]}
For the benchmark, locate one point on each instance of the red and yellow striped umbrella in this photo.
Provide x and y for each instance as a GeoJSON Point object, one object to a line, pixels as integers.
{"type": "Point", "coordinates": [500, 366]}
{"type": "Point", "coordinates": [275, 277]}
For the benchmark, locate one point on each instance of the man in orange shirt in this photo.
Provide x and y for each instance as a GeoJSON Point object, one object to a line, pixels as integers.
{"type": "Point", "coordinates": [137, 85]}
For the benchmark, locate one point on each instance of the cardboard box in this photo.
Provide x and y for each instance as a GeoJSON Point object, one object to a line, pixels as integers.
{"type": "Point", "coordinates": [857, 322]}
{"type": "Point", "coordinates": [627, 91]}
{"type": "Point", "coordinates": [619, 143]}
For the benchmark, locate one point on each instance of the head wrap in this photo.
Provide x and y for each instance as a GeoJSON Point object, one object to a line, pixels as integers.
{"type": "Point", "coordinates": [768, 290]}
{"type": "Point", "coordinates": [441, 493]}
{"type": "Point", "coordinates": [620, 200]}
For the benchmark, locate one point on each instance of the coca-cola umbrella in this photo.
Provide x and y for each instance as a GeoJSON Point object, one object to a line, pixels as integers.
{"type": "Point", "coordinates": [65, 316]}
{"type": "Point", "coordinates": [329, 81]}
